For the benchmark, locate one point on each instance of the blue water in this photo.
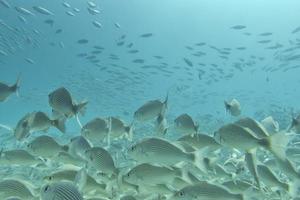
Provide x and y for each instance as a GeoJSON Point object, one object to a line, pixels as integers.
{"type": "Point", "coordinates": [119, 87]}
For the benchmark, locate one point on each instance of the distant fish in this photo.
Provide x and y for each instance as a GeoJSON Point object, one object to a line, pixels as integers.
{"type": "Point", "coordinates": [117, 25]}
{"type": "Point", "coordinates": [200, 44]}
{"type": "Point", "coordinates": [146, 35]}
{"type": "Point", "coordinates": [5, 3]}
{"type": "Point", "coordinates": [42, 10]}
{"type": "Point", "coordinates": [133, 51]}
{"type": "Point", "coordinates": [266, 34]}
{"type": "Point", "coordinates": [264, 41]}
{"type": "Point", "coordinates": [22, 19]}
{"type": "Point", "coordinates": [296, 30]}
{"type": "Point", "coordinates": [91, 4]}
{"type": "Point", "coordinates": [67, 5]}
{"type": "Point", "coordinates": [82, 41]}
{"type": "Point", "coordinates": [129, 45]}
{"type": "Point", "coordinates": [23, 11]}
{"type": "Point", "coordinates": [188, 62]}
{"type": "Point", "coordinates": [3, 53]}
{"type": "Point", "coordinates": [70, 13]}
{"type": "Point", "coordinates": [49, 21]}
{"type": "Point", "coordinates": [120, 43]}
{"type": "Point", "coordinates": [58, 31]}
{"type": "Point", "coordinates": [138, 61]}
{"type": "Point", "coordinates": [97, 24]}
{"type": "Point", "coordinates": [241, 48]}
{"type": "Point", "coordinates": [82, 55]}
{"type": "Point", "coordinates": [238, 27]}
{"type": "Point", "coordinates": [93, 11]}
{"type": "Point", "coordinates": [29, 60]}
{"type": "Point", "coordinates": [76, 10]}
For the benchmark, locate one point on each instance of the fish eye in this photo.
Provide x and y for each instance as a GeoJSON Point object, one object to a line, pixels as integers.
{"type": "Point", "coordinates": [50, 178]}
{"type": "Point", "coordinates": [46, 188]}
{"type": "Point", "coordinates": [133, 148]}
{"type": "Point", "coordinates": [181, 193]}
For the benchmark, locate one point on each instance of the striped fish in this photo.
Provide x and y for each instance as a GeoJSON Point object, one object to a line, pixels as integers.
{"type": "Point", "coordinates": [60, 191]}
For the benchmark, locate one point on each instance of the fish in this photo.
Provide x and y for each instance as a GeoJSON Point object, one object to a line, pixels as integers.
{"type": "Point", "coordinates": [61, 102]}
{"type": "Point", "coordinates": [19, 157]}
{"type": "Point", "coordinates": [205, 191]}
{"type": "Point", "coordinates": [22, 129]}
{"type": "Point", "coordinates": [256, 128]}
{"type": "Point", "coordinates": [49, 21]}
{"type": "Point", "coordinates": [42, 10]}
{"type": "Point", "coordinates": [23, 11]}
{"type": "Point", "coordinates": [233, 107]}
{"type": "Point", "coordinates": [97, 24]}
{"type": "Point", "coordinates": [266, 34]}
{"type": "Point", "coordinates": [8, 90]}
{"type": "Point", "coordinates": [296, 30]}
{"type": "Point", "coordinates": [69, 174]}
{"type": "Point", "coordinates": [188, 62]}
{"type": "Point", "coordinates": [150, 110]}
{"type": "Point", "coordinates": [70, 13]}
{"type": "Point", "coordinates": [78, 146]}
{"type": "Point", "coordinates": [161, 125]}
{"type": "Point", "coordinates": [93, 11]}
{"type": "Point", "coordinates": [238, 27]}
{"type": "Point", "coordinates": [295, 124]}
{"type": "Point", "coordinates": [270, 125]}
{"type": "Point", "coordinates": [45, 146]}
{"type": "Point", "coordinates": [118, 129]}
{"type": "Point", "coordinates": [186, 125]}
{"type": "Point", "coordinates": [101, 160]}
{"type": "Point", "coordinates": [96, 129]}
{"type": "Point", "coordinates": [146, 35]}
{"type": "Point", "coordinates": [17, 188]}
{"type": "Point", "coordinates": [5, 4]}
{"type": "Point", "coordinates": [39, 121]}
{"type": "Point", "coordinates": [149, 174]}
{"type": "Point", "coordinates": [82, 41]}
{"type": "Point", "coordinates": [60, 191]}
{"type": "Point", "coordinates": [270, 179]}
{"type": "Point", "coordinates": [158, 150]}
{"type": "Point", "coordinates": [200, 141]}
{"type": "Point", "coordinates": [235, 136]}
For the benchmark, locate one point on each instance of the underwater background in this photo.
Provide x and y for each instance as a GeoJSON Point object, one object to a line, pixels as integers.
{"type": "Point", "coordinates": [118, 54]}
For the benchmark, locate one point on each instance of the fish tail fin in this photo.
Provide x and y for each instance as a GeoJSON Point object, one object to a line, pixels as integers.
{"type": "Point", "coordinates": [81, 107]}
{"type": "Point", "coordinates": [165, 105]}
{"type": "Point", "coordinates": [60, 124]}
{"type": "Point", "coordinates": [227, 106]}
{"type": "Point", "coordinates": [7, 127]}
{"type": "Point", "coordinates": [292, 125]}
{"type": "Point", "coordinates": [16, 86]}
{"type": "Point", "coordinates": [129, 132]}
{"type": "Point", "coordinates": [276, 144]}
